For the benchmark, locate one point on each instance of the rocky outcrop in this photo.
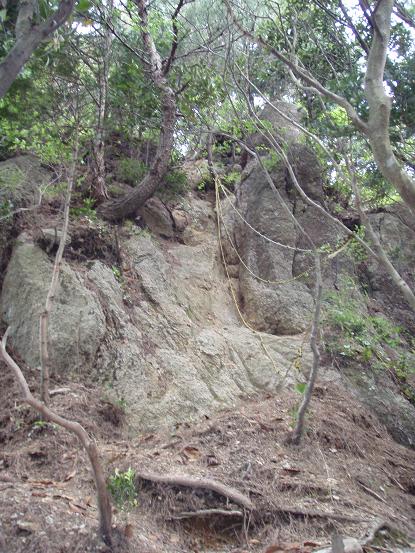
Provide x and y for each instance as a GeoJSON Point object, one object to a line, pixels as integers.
{"type": "Point", "coordinates": [166, 335]}
{"type": "Point", "coordinates": [77, 323]}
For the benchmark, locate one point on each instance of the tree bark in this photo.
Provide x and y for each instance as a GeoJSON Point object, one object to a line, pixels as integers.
{"type": "Point", "coordinates": [104, 503]}
{"type": "Point", "coordinates": [100, 135]}
{"type": "Point", "coordinates": [28, 38]}
{"type": "Point", "coordinates": [380, 105]}
{"type": "Point", "coordinates": [314, 339]}
{"type": "Point", "coordinates": [128, 204]}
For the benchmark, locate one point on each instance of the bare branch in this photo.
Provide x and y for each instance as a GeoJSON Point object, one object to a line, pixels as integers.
{"type": "Point", "coordinates": [104, 503]}
{"type": "Point", "coordinates": [44, 317]}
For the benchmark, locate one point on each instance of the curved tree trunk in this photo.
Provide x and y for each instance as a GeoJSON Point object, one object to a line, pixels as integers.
{"type": "Point", "coordinates": [128, 204]}
{"type": "Point", "coordinates": [380, 105]}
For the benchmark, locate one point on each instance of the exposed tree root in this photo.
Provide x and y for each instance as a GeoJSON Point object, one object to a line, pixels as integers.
{"type": "Point", "coordinates": [298, 512]}
{"type": "Point", "coordinates": [206, 513]}
{"type": "Point", "coordinates": [200, 483]}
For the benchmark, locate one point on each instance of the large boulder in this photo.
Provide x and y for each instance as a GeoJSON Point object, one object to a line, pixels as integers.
{"type": "Point", "coordinates": [179, 352]}
{"type": "Point", "coordinates": [77, 322]}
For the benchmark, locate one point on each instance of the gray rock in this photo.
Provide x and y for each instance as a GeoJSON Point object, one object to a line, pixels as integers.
{"type": "Point", "coordinates": [77, 322]}
{"type": "Point", "coordinates": [54, 235]}
{"type": "Point", "coordinates": [20, 181]}
{"type": "Point", "coordinates": [275, 302]}
{"type": "Point", "coordinates": [157, 217]}
{"type": "Point", "coordinates": [350, 545]}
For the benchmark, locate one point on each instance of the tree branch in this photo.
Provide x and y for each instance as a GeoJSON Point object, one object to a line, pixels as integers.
{"type": "Point", "coordinates": [28, 38]}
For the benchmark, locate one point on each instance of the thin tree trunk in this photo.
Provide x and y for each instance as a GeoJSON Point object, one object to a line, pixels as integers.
{"type": "Point", "coordinates": [382, 258]}
{"type": "Point", "coordinates": [100, 135]}
{"type": "Point", "coordinates": [128, 204]}
{"type": "Point", "coordinates": [28, 38]}
{"type": "Point", "coordinates": [104, 503]}
{"type": "Point", "coordinates": [44, 317]}
{"type": "Point", "coordinates": [314, 343]}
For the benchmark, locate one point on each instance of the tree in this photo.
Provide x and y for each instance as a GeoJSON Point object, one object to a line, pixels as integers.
{"type": "Point", "coordinates": [128, 204]}
{"type": "Point", "coordinates": [376, 127]}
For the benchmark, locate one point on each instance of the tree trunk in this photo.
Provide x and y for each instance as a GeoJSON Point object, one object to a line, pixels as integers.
{"type": "Point", "coordinates": [28, 38]}
{"type": "Point", "coordinates": [100, 136]}
{"type": "Point", "coordinates": [131, 202]}
{"type": "Point", "coordinates": [44, 317]}
{"type": "Point", "coordinates": [380, 105]}
{"type": "Point", "coordinates": [299, 428]}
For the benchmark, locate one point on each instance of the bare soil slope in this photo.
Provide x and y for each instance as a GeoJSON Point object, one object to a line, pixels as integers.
{"type": "Point", "coordinates": [347, 474]}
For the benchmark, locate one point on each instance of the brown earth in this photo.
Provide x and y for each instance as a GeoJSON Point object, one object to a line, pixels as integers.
{"type": "Point", "coordinates": [347, 474]}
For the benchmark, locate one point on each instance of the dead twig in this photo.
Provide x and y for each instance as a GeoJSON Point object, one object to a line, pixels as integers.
{"type": "Point", "coordinates": [369, 491]}
{"type": "Point", "coordinates": [298, 512]}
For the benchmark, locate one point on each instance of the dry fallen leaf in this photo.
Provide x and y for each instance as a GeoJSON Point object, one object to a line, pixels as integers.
{"type": "Point", "coordinates": [69, 476]}
{"type": "Point", "coordinates": [128, 531]}
{"type": "Point", "coordinates": [190, 453]}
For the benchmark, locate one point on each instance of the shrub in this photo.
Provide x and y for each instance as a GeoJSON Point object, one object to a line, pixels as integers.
{"type": "Point", "coordinates": [121, 486]}
{"type": "Point", "coordinates": [130, 170]}
{"type": "Point", "coordinates": [86, 210]}
{"type": "Point", "coordinates": [356, 334]}
{"type": "Point", "coordinates": [175, 185]}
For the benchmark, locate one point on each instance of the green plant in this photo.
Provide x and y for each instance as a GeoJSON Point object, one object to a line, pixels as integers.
{"type": "Point", "coordinates": [352, 332]}
{"type": "Point", "coordinates": [205, 183]}
{"type": "Point", "coordinates": [130, 170]}
{"type": "Point", "coordinates": [231, 179]}
{"type": "Point", "coordinates": [403, 368]}
{"type": "Point", "coordinates": [86, 210]}
{"type": "Point", "coordinates": [175, 185]}
{"type": "Point", "coordinates": [121, 486]}
{"type": "Point", "coordinates": [116, 271]}
{"type": "Point", "coordinates": [355, 249]}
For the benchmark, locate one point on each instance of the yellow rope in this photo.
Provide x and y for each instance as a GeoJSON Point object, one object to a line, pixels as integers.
{"type": "Point", "coordinates": [278, 282]}
{"type": "Point", "coordinates": [298, 359]}
{"type": "Point", "coordinates": [245, 323]}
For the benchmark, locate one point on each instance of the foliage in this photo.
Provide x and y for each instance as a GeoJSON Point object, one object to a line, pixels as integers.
{"type": "Point", "coordinates": [86, 210]}
{"type": "Point", "coordinates": [11, 178]}
{"type": "Point", "coordinates": [355, 249]}
{"type": "Point", "coordinates": [130, 171]}
{"type": "Point", "coordinates": [121, 486]}
{"type": "Point", "coordinates": [116, 271]}
{"type": "Point", "coordinates": [354, 333]}
{"type": "Point", "coordinates": [231, 179]}
{"type": "Point", "coordinates": [403, 369]}
{"type": "Point", "coordinates": [175, 185]}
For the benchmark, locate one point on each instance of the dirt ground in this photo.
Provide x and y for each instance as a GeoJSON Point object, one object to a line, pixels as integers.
{"type": "Point", "coordinates": [345, 476]}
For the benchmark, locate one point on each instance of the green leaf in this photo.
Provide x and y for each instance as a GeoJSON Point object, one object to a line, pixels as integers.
{"type": "Point", "coordinates": [84, 5]}
{"type": "Point", "coordinates": [301, 387]}
{"type": "Point", "coordinates": [3, 15]}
